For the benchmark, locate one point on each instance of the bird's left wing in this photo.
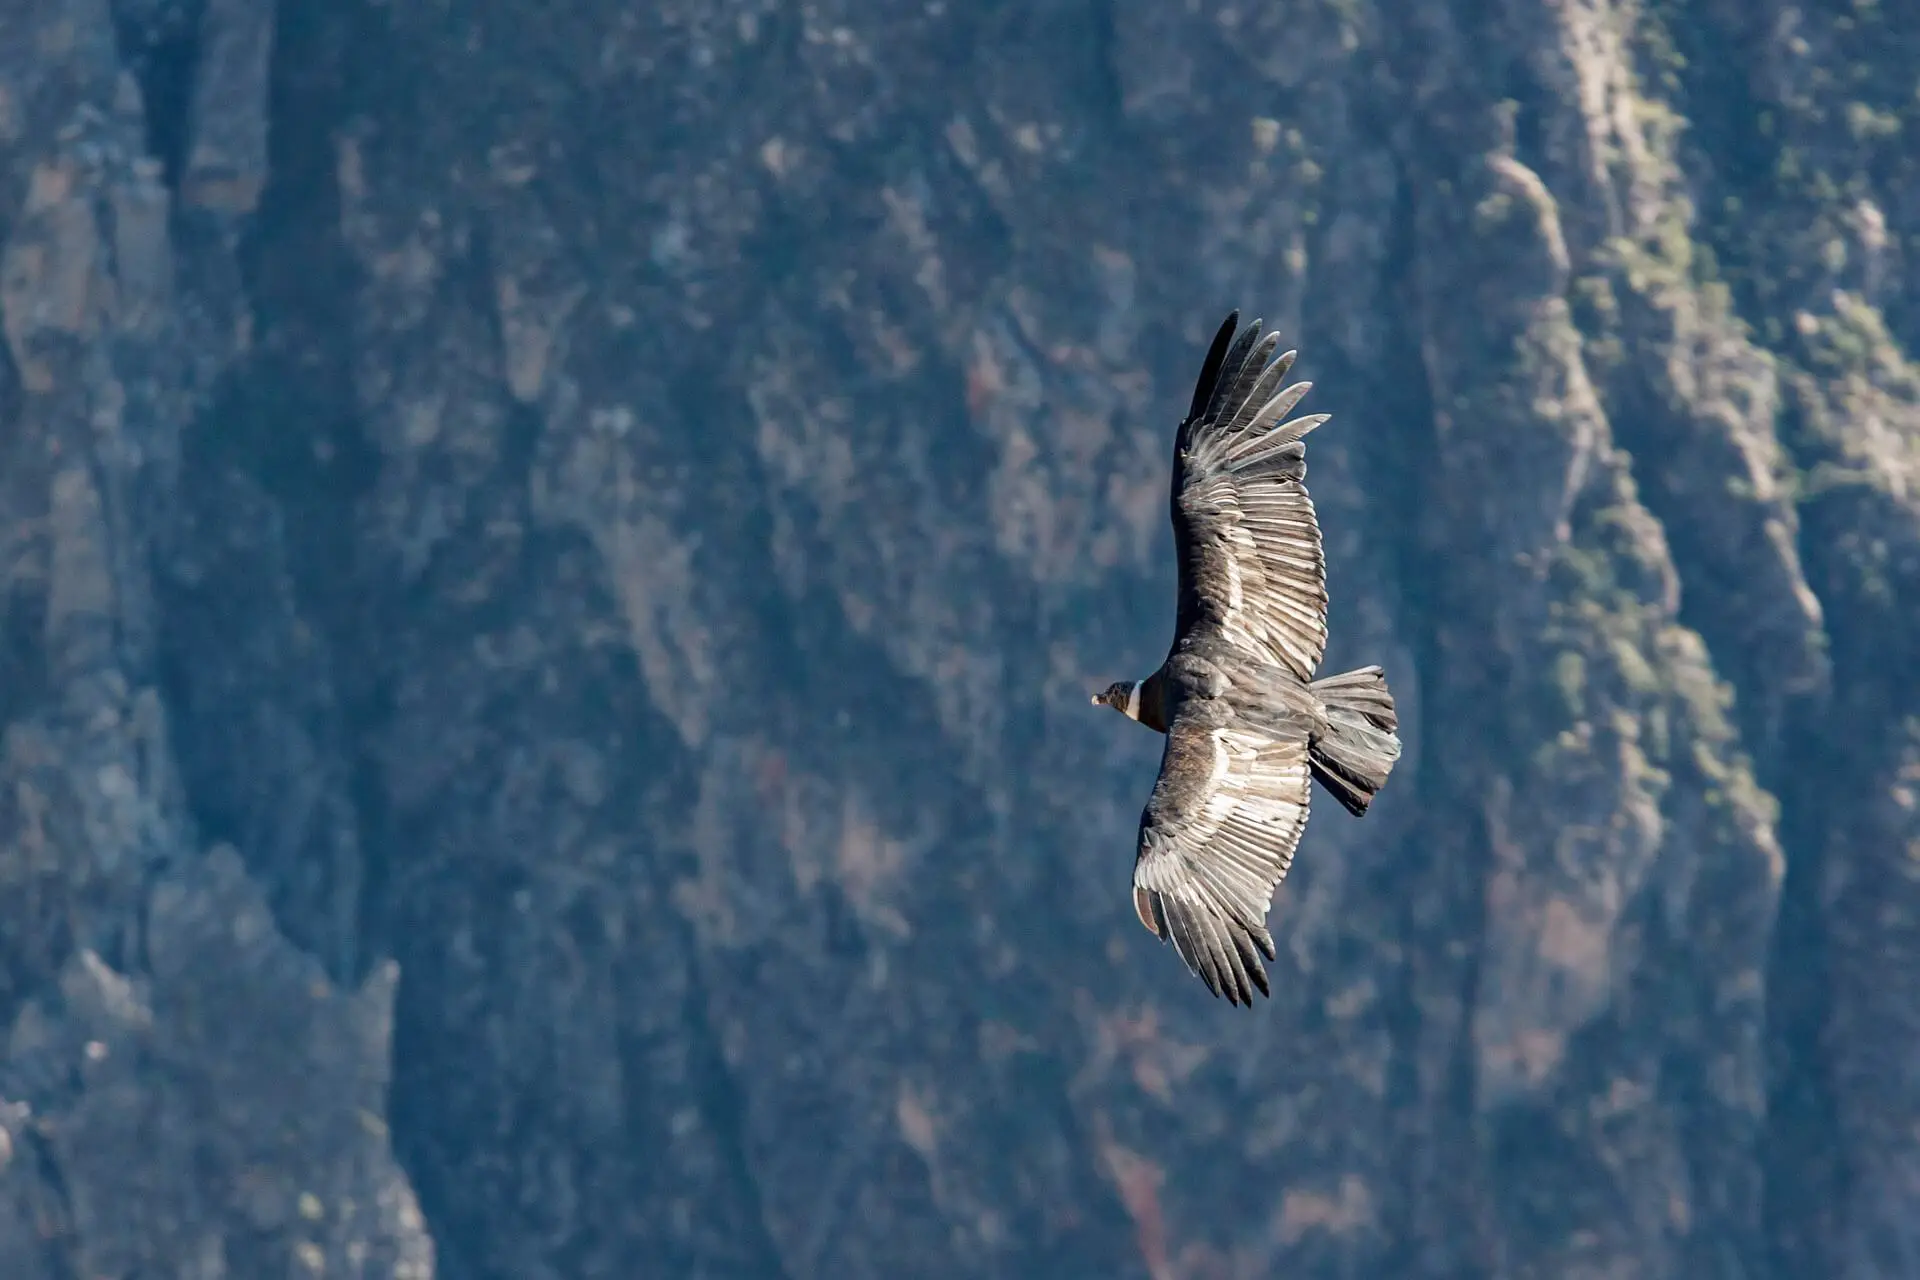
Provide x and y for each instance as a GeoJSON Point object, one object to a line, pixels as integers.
{"type": "Point", "coordinates": [1217, 837]}
{"type": "Point", "coordinates": [1251, 565]}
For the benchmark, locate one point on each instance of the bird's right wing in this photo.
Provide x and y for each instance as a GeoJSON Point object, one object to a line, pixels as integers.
{"type": "Point", "coordinates": [1252, 569]}
{"type": "Point", "coordinates": [1217, 837]}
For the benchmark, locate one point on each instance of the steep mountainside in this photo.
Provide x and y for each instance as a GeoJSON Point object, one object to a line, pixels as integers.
{"type": "Point", "coordinates": [552, 557]}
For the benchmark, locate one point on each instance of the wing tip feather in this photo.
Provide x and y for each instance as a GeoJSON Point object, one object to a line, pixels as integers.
{"type": "Point", "coordinates": [1145, 907]}
{"type": "Point", "coordinates": [1209, 378]}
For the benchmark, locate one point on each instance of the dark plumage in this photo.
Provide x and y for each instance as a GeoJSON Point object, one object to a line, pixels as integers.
{"type": "Point", "coordinates": [1247, 725]}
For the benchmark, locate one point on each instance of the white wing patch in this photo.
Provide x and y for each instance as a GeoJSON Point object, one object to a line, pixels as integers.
{"type": "Point", "coordinates": [1236, 591]}
{"type": "Point", "coordinates": [1272, 594]}
{"type": "Point", "coordinates": [1217, 838]}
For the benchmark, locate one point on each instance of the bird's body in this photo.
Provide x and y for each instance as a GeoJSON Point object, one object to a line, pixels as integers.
{"type": "Point", "coordinates": [1247, 725]}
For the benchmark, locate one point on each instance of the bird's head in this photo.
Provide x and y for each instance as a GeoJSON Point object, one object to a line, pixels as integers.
{"type": "Point", "coordinates": [1123, 696]}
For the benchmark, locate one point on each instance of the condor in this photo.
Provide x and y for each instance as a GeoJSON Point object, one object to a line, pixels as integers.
{"type": "Point", "coordinates": [1247, 724]}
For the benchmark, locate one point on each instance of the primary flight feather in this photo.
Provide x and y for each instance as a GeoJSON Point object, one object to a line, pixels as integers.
{"type": "Point", "coordinates": [1247, 725]}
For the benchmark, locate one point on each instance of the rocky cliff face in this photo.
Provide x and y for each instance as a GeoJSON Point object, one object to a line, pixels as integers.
{"type": "Point", "coordinates": [551, 558]}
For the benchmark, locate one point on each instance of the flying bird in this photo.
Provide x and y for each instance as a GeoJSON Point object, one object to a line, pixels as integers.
{"type": "Point", "coordinates": [1247, 725]}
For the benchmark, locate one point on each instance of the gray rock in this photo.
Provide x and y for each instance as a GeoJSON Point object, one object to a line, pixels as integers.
{"type": "Point", "coordinates": [615, 510]}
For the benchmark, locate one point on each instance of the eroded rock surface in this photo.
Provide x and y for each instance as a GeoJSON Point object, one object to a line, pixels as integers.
{"type": "Point", "coordinates": [551, 559]}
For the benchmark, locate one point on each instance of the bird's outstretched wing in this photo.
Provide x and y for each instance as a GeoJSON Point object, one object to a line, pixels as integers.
{"type": "Point", "coordinates": [1251, 566]}
{"type": "Point", "coordinates": [1217, 836]}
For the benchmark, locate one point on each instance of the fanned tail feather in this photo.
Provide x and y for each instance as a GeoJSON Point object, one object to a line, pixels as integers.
{"type": "Point", "coordinates": [1354, 754]}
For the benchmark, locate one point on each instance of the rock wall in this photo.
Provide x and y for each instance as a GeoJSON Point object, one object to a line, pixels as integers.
{"type": "Point", "coordinates": [551, 559]}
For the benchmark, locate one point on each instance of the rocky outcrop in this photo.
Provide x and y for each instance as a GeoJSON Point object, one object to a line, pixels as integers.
{"type": "Point", "coordinates": [188, 1094]}
{"type": "Point", "coordinates": [551, 561]}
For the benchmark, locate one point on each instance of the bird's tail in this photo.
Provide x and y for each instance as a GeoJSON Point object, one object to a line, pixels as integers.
{"type": "Point", "coordinates": [1354, 754]}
